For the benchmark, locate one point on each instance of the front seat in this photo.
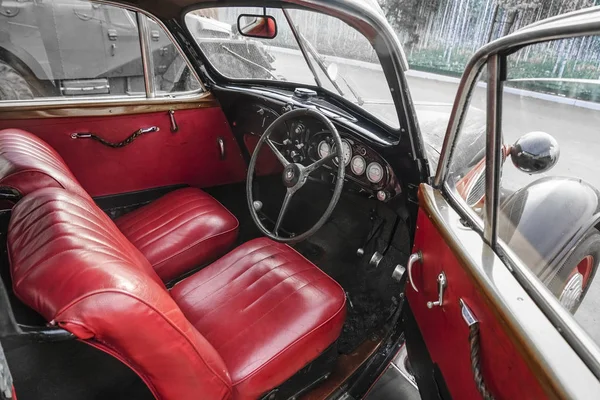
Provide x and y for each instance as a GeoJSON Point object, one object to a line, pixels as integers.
{"type": "Point", "coordinates": [234, 330]}
{"type": "Point", "coordinates": [177, 233]}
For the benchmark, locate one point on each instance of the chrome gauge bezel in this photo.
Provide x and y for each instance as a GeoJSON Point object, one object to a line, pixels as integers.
{"type": "Point", "coordinates": [323, 142]}
{"type": "Point", "coordinates": [372, 164]}
{"type": "Point", "coordinates": [364, 165]}
{"type": "Point", "coordinates": [349, 149]}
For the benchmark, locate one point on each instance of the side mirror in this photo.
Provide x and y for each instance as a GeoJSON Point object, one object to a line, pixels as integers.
{"type": "Point", "coordinates": [535, 152]}
{"type": "Point", "coordinates": [257, 26]}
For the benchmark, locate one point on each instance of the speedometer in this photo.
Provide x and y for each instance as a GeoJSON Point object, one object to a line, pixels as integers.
{"type": "Point", "coordinates": [324, 149]}
{"type": "Point", "coordinates": [347, 152]}
{"type": "Point", "coordinates": [374, 172]}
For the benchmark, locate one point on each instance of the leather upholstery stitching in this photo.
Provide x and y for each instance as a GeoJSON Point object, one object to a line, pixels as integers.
{"type": "Point", "coordinates": [230, 299]}
{"type": "Point", "coordinates": [197, 243]}
{"type": "Point", "coordinates": [223, 271]}
{"type": "Point", "coordinates": [335, 315]}
{"type": "Point", "coordinates": [165, 233]}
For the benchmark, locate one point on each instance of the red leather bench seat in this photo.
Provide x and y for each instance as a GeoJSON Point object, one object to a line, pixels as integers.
{"type": "Point", "coordinates": [234, 330]}
{"type": "Point", "coordinates": [183, 230]}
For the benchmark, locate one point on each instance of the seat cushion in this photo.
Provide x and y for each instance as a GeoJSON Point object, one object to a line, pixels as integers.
{"type": "Point", "coordinates": [180, 231]}
{"type": "Point", "coordinates": [27, 163]}
{"type": "Point", "coordinates": [266, 310]}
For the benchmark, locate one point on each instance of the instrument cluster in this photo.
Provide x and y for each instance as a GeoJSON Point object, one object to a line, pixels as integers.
{"type": "Point", "coordinates": [363, 165]}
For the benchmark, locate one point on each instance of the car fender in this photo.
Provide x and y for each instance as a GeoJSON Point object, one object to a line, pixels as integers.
{"type": "Point", "coordinates": [543, 221]}
{"type": "Point", "coordinates": [11, 54]}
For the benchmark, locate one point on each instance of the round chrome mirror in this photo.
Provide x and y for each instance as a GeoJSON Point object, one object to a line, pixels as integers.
{"type": "Point", "coordinates": [332, 71]}
{"type": "Point", "coordinates": [535, 152]}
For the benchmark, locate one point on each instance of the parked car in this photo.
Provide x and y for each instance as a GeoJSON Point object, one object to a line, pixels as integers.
{"type": "Point", "coordinates": [293, 227]}
{"type": "Point", "coordinates": [108, 57]}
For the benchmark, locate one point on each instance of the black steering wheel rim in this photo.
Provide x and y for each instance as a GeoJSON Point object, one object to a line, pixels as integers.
{"type": "Point", "coordinates": [299, 170]}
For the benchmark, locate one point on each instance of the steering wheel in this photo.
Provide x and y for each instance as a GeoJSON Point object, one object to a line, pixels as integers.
{"type": "Point", "coordinates": [294, 175]}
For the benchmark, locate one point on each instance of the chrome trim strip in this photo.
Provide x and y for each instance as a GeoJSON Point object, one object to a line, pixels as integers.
{"type": "Point", "coordinates": [493, 160]}
{"type": "Point", "coordinates": [147, 59]}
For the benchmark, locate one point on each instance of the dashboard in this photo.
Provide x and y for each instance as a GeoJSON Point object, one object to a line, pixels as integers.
{"type": "Point", "coordinates": [307, 140]}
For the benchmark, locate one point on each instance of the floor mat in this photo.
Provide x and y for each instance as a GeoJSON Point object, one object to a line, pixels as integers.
{"type": "Point", "coordinates": [369, 290]}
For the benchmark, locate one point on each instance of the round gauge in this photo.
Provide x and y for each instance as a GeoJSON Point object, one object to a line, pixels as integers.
{"type": "Point", "coordinates": [324, 149]}
{"type": "Point", "coordinates": [347, 152]}
{"type": "Point", "coordinates": [374, 172]}
{"type": "Point", "coordinates": [358, 165]}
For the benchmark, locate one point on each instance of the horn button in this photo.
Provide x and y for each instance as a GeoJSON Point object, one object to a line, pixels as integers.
{"type": "Point", "coordinates": [291, 175]}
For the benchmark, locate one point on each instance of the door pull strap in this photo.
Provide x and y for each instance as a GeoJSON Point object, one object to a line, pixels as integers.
{"type": "Point", "coordinates": [123, 143]}
{"type": "Point", "coordinates": [473, 325]}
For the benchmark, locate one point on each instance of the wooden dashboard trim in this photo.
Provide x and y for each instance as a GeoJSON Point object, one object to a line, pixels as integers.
{"type": "Point", "coordinates": [555, 383]}
{"type": "Point", "coordinates": [53, 108]}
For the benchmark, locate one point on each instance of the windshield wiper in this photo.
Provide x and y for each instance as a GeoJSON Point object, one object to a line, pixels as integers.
{"type": "Point", "coordinates": [305, 45]}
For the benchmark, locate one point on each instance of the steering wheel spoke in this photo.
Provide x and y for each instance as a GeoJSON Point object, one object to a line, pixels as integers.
{"type": "Point", "coordinates": [277, 153]}
{"type": "Point", "coordinates": [295, 175]}
{"type": "Point", "coordinates": [317, 164]}
{"type": "Point", "coordinates": [286, 202]}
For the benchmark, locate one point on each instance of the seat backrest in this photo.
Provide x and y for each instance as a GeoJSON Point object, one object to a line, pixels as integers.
{"type": "Point", "coordinates": [70, 263]}
{"type": "Point", "coordinates": [27, 163]}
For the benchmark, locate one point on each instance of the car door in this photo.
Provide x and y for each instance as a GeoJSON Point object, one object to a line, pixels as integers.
{"type": "Point", "coordinates": [185, 137]}
{"type": "Point", "coordinates": [479, 322]}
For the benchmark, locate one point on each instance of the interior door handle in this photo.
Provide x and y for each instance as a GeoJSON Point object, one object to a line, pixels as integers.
{"type": "Point", "coordinates": [414, 257]}
{"type": "Point", "coordinates": [442, 283]}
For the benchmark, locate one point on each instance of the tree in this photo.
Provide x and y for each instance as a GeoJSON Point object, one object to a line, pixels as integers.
{"type": "Point", "coordinates": [410, 17]}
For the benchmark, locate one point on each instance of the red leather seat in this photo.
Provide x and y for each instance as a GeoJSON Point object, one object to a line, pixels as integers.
{"type": "Point", "coordinates": [27, 163]}
{"type": "Point", "coordinates": [242, 301]}
{"type": "Point", "coordinates": [183, 230]}
{"type": "Point", "coordinates": [234, 330]}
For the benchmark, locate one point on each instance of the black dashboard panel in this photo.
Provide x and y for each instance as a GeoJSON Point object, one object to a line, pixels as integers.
{"type": "Point", "coordinates": [304, 141]}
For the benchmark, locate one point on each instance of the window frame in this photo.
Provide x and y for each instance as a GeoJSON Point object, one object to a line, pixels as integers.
{"type": "Point", "coordinates": [391, 66]}
{"type": "Point", "coordinates": [150, 94]}
{"type": "Point", "coordinates": [494, 60]}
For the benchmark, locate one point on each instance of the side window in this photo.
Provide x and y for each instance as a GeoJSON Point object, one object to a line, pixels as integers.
{"type": "Point", "coordinates": [74, 48]}
{"type": "Point", "coordinates": [170, 71]}
{"type": "Point", "coordinates": [548, 206]}
{"type": "Point", "coordinates": [466, 176]}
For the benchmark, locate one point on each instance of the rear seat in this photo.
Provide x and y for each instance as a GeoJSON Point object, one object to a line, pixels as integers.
{"type": "Point", "coordinates": [180, 231]}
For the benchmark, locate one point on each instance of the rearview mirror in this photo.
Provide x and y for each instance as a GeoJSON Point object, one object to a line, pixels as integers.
{"type": "Point", "coordinates": [535, 152]}
{"type": "Point", "coordinates": [257, 26]}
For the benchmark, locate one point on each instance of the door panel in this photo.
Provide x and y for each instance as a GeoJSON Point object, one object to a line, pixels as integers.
{"type": "Point", "coordinates": [522, 354]}
{"type": "Point", "coordinates": [189, 156]}
{"type": "Point", "coordinates": [446, 333]}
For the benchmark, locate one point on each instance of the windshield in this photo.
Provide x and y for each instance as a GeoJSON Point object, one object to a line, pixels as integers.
{"type": "Point", "coordinates": [310, 49]}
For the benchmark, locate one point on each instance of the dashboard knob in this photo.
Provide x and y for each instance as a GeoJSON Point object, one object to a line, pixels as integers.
{"type": "Point", "coordinates": [296, 156]}
{"type": "Point", "coordinates": [382, 195]}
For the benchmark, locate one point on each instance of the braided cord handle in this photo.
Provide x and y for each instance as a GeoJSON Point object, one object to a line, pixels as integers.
{"type": "Point", "coordinates": [117, 145]}
{"type": "Point", "coordinates": [476, 362]}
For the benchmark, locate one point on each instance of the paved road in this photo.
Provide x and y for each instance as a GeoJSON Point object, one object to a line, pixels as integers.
{"type": "Point", "coordinates": [576, 129]}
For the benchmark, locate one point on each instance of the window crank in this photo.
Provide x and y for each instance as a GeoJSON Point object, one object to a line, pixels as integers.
{"type": "Point", "coordinates": [442, 283]}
